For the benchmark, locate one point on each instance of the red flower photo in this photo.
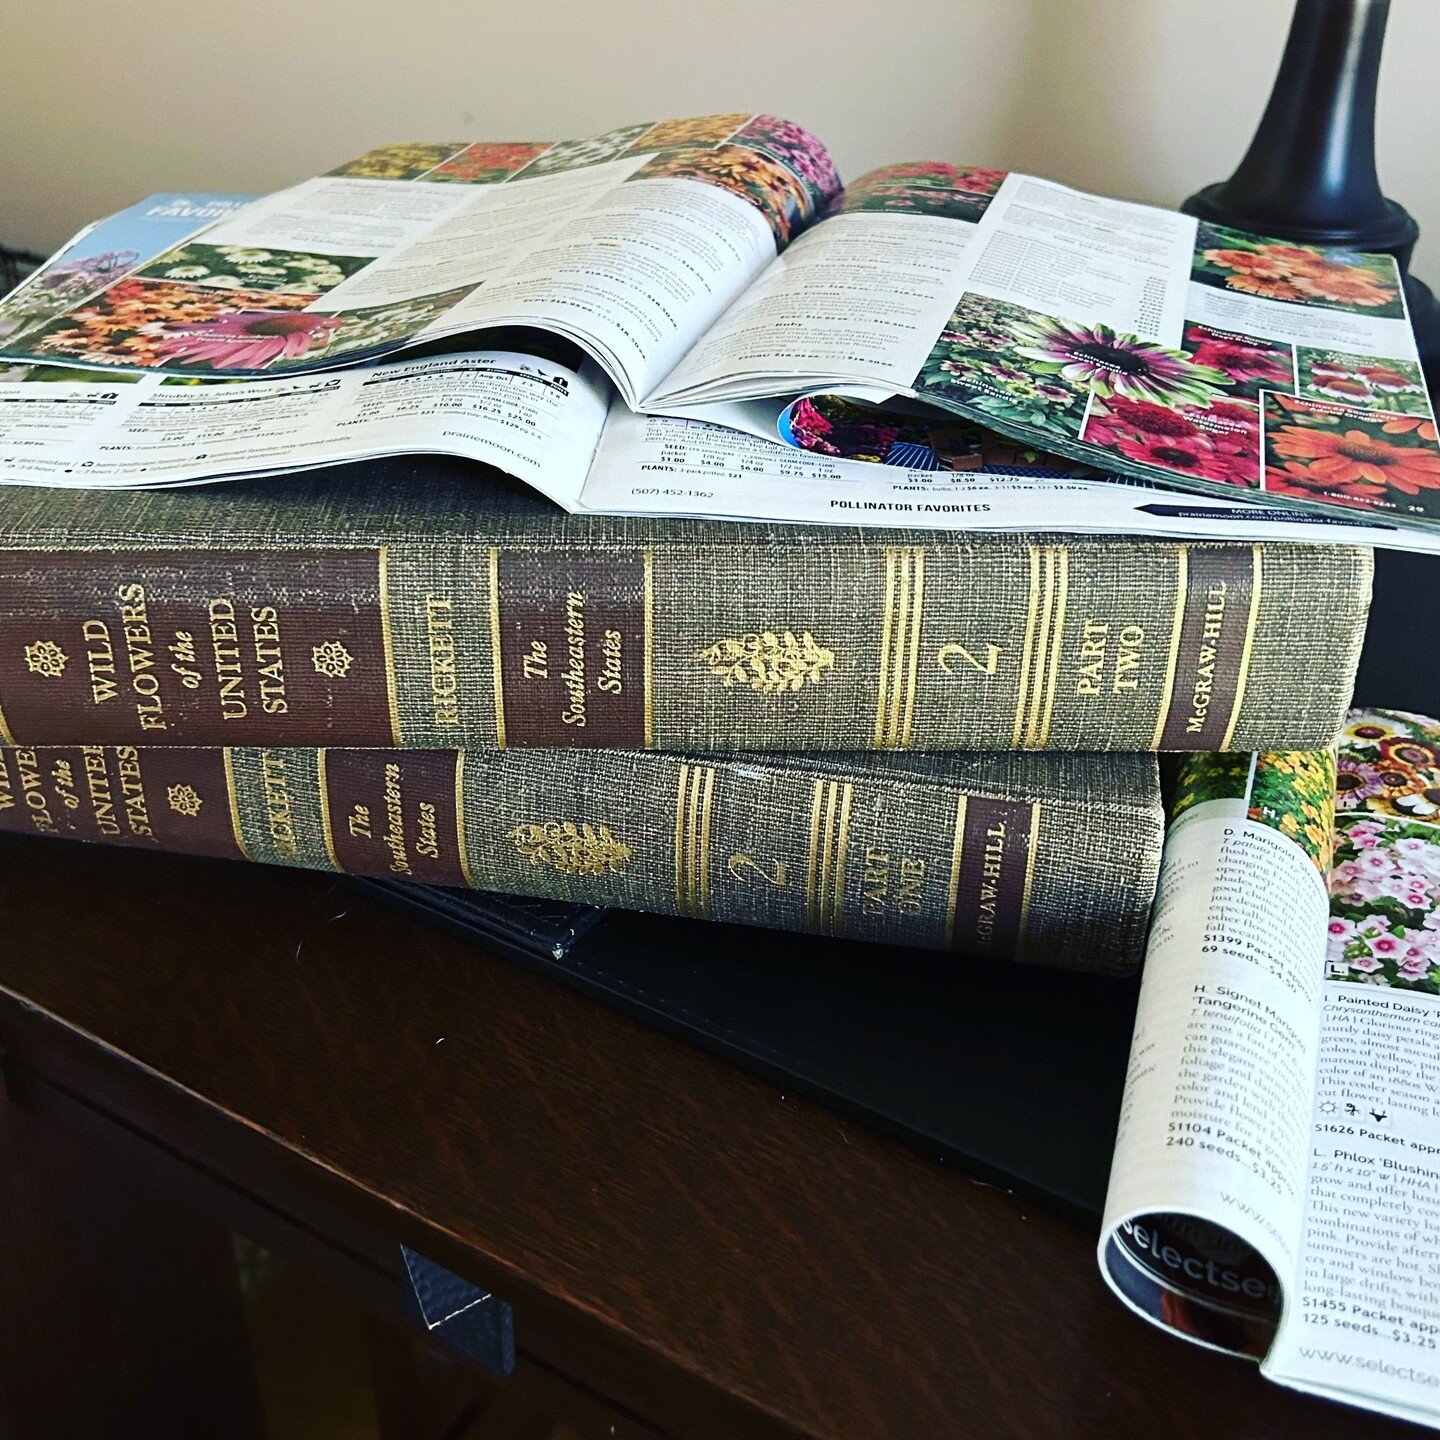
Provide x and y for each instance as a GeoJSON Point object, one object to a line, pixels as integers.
{"type": "Point", "coordinates": [1219, 443]}
{"type": "Point", "coordinates": [1251, 363]}
{"type": "Point", "coordinates": [486, 164]}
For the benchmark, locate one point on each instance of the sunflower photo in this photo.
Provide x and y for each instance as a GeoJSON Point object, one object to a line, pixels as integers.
{"type": "Point", "coordinates": [250, 267]}
{"type": "Point", "coordinates": [1314, 450]}
{"type": "Point", "coordinates": [399, 162]}
{"type": "Point", "coordinates": [1368, 381]}
{"type": "Point", "coordinates": [1296, 274]}
{"type": "Point", "coordinates": [486, 164]}
{"type": "Point", "coordinates": [975, 362]}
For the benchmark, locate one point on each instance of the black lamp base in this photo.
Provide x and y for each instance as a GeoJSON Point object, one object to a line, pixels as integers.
{"type": "Point", "coordinates": [1309, 174]}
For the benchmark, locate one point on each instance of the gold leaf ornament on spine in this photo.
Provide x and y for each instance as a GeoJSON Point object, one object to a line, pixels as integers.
{"type": "Point", "coordinates": [571, 849]}
{"type": "Point", "coordinates": [769, 661]}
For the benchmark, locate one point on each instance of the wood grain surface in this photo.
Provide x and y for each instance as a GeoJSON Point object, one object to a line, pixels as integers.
{"type": "Point", "coordinates": [710, 1256]}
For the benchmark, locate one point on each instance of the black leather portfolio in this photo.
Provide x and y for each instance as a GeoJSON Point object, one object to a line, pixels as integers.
{"type": "Point", "coordinates": [1013, 1072]}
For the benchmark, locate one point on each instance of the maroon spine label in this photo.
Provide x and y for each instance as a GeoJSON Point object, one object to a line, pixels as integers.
{"type": "Point", "coordinates": [392, 812]}
{"type": "Point", "coordinates": [1212, 653]}
{"type": "Point", "coordinates": [163, 799]}
{"type": "Point", "coordinates": [572, 631]}
{"type": "Point", "coordinates": [196, 647]}
{"type": "Point", "coordinates": [992, 866]}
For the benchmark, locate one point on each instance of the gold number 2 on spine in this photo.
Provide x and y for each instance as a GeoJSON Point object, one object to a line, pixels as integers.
{"type": "Point", "coordinates": [741, 866]}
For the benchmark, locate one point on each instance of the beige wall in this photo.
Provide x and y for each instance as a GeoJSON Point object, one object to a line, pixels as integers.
{"type": "Point", "coordinates": [106, 100]}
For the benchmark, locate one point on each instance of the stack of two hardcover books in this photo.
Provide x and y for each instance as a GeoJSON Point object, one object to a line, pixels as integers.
{"type": "Point", "coordinates": [409, 670]}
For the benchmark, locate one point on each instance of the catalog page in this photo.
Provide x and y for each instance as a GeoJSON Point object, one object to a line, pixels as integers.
{"type": "Point", "coordinates": [1134, 338]}
{"type": "Point", "coordinates": [1364, 1313]}
{"type": "Point", "coordinates": [1274, 1185]}
{"type": "Point", "coordinates": [534, 406]}
{"type": "Point", "coordinates": [538, 414]}
{"type": "Point", "coordinates": [858, 299]}
{"type": "Point", "coordinates": [629, 243]}
{"type": "Point", "coordinates": [662, 465]}
{"type": "Point", "coordinates": [1157, 345]}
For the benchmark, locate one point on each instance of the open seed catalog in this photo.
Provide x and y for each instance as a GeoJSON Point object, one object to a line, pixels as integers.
{"type": "Point", "coordinates": [1276, 1182]}
{"type": "Point", "coordinates": [639, 321]}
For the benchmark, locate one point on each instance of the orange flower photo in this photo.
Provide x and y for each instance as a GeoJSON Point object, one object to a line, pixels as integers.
{"type": "Point", "coordinates": [1316, 451]}
{"type": "Point", "coordinates": [1298, 274]}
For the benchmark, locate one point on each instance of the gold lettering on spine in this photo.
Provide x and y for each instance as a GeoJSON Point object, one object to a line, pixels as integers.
{"type": "Point", "coordinates": [499, 679]}
{"type": "Point", "coordinates": [1062, 582]}
{"type": "Point", "coordinates": [1172, 660]}
{"type": "Point", "coordinates": [7, 735]}
{"type": "Point", "coordinates": [387, 640]}
{"type": "Point", "coordinates": [692, 840]}
{"type": "Point", "coordinates": [1256, 568]}
{"type": "Point", "coordinates": [649, 649]}
{"type": "Point", "coordinates": [1027, 652]}
{"type": "Point", "coordinates": [1029, 879]}
{"type": "Point", "coordinates": [899, 647]}
{"type": "Point", "coordinates": [680, 838]}
{"type": "Point", "coordinates": [461, 849]}
{"type": "Point", "coordinates": [829, 837]}
{"type": "Point", "coordinates": [956, 850]}
{"type": "Point", "coordinates": [232, 796]}
{"type": "Point", "coordinates": [897, 660]}
{"type": "Point", "coordinates": [322, 778]}
{"type": "Point", "coordinates": [827, 853]}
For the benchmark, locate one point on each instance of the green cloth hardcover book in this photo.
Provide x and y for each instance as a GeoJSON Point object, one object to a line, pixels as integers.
{"type": "Point", "coordinates": [421, 604]}
{"type": "Point", "coordinates": [1051, 859]}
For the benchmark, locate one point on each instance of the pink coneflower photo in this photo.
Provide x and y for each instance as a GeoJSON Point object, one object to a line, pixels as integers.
{"type": "Point", "coordinates": [245, 339]}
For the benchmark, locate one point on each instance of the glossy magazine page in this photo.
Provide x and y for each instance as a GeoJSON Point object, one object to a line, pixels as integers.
{"type": "Point", "coordinates": [1274, 1186]}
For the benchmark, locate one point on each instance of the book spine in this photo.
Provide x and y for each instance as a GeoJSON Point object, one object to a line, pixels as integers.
{"type": "Point", "coordinates": [1084, 645]}
{"type": "Point", "coordinates": [834, 851]}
